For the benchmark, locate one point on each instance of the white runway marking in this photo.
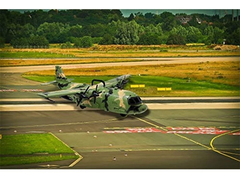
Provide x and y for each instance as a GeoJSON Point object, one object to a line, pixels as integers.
{"type": "Point", "coordinates": [151, 106]}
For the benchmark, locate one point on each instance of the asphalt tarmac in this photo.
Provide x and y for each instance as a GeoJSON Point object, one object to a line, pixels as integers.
{"type": "Point", "coordinates": [160, 139]}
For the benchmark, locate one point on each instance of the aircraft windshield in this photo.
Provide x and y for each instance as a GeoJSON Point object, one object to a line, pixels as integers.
{"type": "Point", "coordinates": [134, 100]}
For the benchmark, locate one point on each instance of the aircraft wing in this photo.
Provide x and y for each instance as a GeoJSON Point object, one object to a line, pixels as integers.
{"type": "Point", "coordinates": [119, 82]}
{"type": "Point", "coordinates": [59, 93]}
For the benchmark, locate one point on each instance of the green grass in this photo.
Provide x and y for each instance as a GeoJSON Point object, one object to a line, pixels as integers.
{"type": "Point", "coordinates": [32, 148]}
{"type": "Point", "coordinates": [31, 54]}
{"type": "Point", "coordinates": [180, 87]}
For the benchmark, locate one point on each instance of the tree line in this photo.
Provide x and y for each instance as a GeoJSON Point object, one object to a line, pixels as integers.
{"type": "Point", "coordinates": [83, 28]}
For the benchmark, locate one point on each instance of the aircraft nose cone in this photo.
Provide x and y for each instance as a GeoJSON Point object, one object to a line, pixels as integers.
{"type": "Point", "coordinates": [142, 108]}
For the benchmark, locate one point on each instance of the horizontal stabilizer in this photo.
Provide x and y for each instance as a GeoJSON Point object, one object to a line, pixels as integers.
{"type": "Point", "coordinates": [48, 83]}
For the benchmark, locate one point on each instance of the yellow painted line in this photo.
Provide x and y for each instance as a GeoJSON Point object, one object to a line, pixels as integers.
{"type": "Point", "coordinates": [160, 89]}
{"type": "Point", "coordinates": [137, 86]}
{"type": "Point", "coordinates": [147, 122]}
{"type": "Point", "coordinates": [164, 89]}
{"type": "Point", "coordinates": [134, 86]}
{"type": "Point", "coordinates": [175, 134]}
{"type": "Point", "coordinates": [202, 145]}
{"type": "Point", "coordinates": [76, 153]}
{"type": "Point", "coordinates": [230, 153]}
{"type": "Point", "coordinates": [217, 151]}
{"type": "Point", "coordinates": [193, 141]}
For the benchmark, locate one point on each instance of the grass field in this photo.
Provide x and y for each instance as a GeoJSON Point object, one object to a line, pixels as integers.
{"type": "Point", "coordinates": [197, 79]}
{"type": "Point", "coordinates": [32, 148]}
{"type": "Point", "coordinates": [119, 51]}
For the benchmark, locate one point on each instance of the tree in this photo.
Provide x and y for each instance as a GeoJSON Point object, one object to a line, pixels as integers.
{"type": "Point", "coordinates": [234, 37]}
{"type": "Point", "coordinates": [175, 39]}
{"type": "Point", "coordinates": [75, 31]}
{"type": "Point", "coordinates": [193, 34]}
{"type": "Point", "coordinates": [154, 29]}
{"type": "Point", "coordinates": [127, 33]}
{"type": "Point", "coordinates": [94, 30]}
{"type": "Point", "coordinates": [208, 33]}
{"type": "Point", "coordinates": [218, 35]}
{"type": "Point", "coordinates": [20, 42]}
{"type": "Point", "coordinates": [149, 39]}
{"type": "Point", "coordinates": [131, 17]}
{"type": "Point", "coordinates": [107, 39]}
{"type": "Point", "coordinates": [179, 30]}
{"type": "Point", "coordinates": [2, 42]}
{"type": "Point", "coordinates": [60, 26]}
{"type": "Point", "coordinates": [53, 31]}
{"type": "Point", "coordinates": [168, 21]}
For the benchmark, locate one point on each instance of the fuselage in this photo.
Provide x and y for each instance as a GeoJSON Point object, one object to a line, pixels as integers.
{"type": "Point", "coordinates": [110, 99]}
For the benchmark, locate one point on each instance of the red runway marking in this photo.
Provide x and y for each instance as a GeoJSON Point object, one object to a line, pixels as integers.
{"type": "Point", "coordinates": [196, 130]}
{"type": "Point", "coordinates": [175, 130]}
{"type": "Point", "coordinates": [32, 90]}
{"type": "Point", "coordinates": [236, 133]}
{"type": "Point", "coordinates": [8, 90]}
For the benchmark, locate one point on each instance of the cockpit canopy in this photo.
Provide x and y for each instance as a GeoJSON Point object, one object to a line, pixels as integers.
{"type": "Point", "coordinates": [133, 101]}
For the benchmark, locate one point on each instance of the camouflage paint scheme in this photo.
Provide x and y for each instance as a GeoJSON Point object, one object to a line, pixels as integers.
{"type": "Point", "coordinates": [108, 96]}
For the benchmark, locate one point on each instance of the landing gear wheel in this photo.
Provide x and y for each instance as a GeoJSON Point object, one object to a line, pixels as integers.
{"type": "Point", "coordinates": [82, 107]}
{"type": "Point", "coordinates": [123, 115]}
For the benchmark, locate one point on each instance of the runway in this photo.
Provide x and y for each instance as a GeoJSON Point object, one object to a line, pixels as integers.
{"type": "Point", "coordinates": [162, 138]}
{"type": "Point", "coordinates": [176, 133]}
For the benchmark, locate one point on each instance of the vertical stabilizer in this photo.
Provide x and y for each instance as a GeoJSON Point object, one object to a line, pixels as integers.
{"type": "Point", "coordinates": [62, 81]}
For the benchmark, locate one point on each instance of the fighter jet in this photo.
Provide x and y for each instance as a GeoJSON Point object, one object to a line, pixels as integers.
{"type": "Point", "coordinates": [105, 95]}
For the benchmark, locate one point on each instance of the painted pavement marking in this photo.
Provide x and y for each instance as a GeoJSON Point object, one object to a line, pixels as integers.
{"type": "Point", "coordinates": [169, 130]}
{"type": "Point", "coordinates": [220, 152]}
{"type": "Point", "coordinates": [76, 153]}
{"type": "Point", "coordinates": [202, 145]}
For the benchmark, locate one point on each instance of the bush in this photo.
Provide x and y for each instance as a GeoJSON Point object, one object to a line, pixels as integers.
{"type": "Point", "coordinates": [38, 41]}
{"type": "Point", "coordinates": [84, 42]}
{"type": "Point", "coordinates": [35, 41]}
{"type": "Point", "coordinates": [66, 45]}
{"type": "Point", "coordinates": [149, 39]}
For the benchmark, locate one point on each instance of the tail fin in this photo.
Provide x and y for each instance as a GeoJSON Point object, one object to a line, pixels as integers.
{"type": "Point", "coordinates": [59, 73]}
{"type": "Point", "coordinates": [61, 79]}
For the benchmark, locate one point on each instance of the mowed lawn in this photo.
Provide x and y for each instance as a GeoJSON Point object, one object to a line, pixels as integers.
{"type": "Point", "coordinates": [32, 148]}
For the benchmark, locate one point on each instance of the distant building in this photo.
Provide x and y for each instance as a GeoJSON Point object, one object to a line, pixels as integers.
{"type": "Point", "coordinates": [184, 19]}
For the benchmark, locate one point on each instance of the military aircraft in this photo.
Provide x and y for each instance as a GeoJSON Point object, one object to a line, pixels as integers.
{"type": "Point", "coordinates": [108, 96]}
